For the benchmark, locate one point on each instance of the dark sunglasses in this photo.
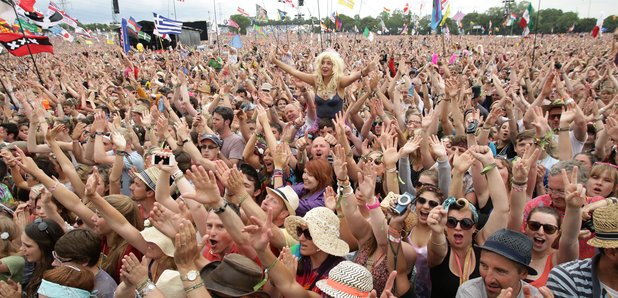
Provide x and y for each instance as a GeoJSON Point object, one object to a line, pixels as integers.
{"type": "Point", "coordinates": [300, 231]}
{"type": "Point", "coordinates": [535, 226]}
{"type": "Point", "coordinates": [211, 147]}
{"type": "Point", "coordinates": [422, 201]}
{"type": "Point", "coordinates": [376, 123]}
{"type": "Point", "coordinates": [465, 223]}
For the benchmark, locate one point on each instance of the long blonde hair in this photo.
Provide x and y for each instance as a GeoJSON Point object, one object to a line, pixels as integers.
{"type": "Point", "coordinates": [323, 90]}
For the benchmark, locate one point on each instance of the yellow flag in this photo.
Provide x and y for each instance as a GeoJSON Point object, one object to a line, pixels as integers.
{"type": "Point", "coordinates": [446, 14]}
{"type": "Point", "coordinates": [348, 3]}
{"type": "Point", "coordinates": [110, 41]}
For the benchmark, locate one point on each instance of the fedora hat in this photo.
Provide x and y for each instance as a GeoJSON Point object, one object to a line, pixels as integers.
{"type": "Point", "coordinates": [323, 226]}
{"type": "Point", "coordinates": [347, 280]}
{"type": "Point", "coordinates": [170, 284]}
{"type": "Point", "coordinates": [235, 276]}
{"type": "Point", "coordinates": [155, 236]}
{"type": "Point", "coordinates": [288, 195]}
{"type": "Point", "coordinates": [150, 176]}
{"type": "Point", "coordinates": [512, 245]}
{"type": "Point", "coordinates": [606, 225]}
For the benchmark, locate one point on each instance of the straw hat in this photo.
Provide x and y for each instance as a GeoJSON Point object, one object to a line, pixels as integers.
{"type": "Point", "coordinates": [170, 284]}
{"type": "Point", "coordinates": [163, 242]}
{"type": "Point", "coordinates": [323, 225]}
{"type": "Point", "coordinates": [150, 176]}
{"type": "Point", "coordinates": [288, 195]}
{"type": "Point", "coordinates": [347, 280]}
{"type": "Point", "coordinates": [606, 225]}
{"type": "Point", "coordinates": [410, 221]}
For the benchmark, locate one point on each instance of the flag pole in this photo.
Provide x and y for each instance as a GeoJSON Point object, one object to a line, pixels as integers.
{"type": "Point", "coordinates": [320, 20]}
{"type": "Point", "coordinates": [216, 27]}
{"type": "Point", "coordinates": [536, 26]}
{"type": "Point", "coordinates": [21, 28]}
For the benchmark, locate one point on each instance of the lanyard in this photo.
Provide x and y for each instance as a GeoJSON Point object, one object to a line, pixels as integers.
{"type": "Point", "coordinates": [464, 273]}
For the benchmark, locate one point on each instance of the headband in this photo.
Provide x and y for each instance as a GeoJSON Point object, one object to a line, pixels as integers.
{"type": "Point", "coordinates": [451, 200]}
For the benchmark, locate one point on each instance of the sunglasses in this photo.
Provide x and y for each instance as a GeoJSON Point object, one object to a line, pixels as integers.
{"type": "Point", "coordinates": [42, 225]}
{"type": "Point", "coordinates": [376, 123]}
{"type": "Point", "coordinates": [535, 226]}
{"type": "Point", "coordinates": [300, 231]}
{"type": "Point", "coordinates": [211, 147]}
{"type": "Point", "coordinates": [422, 201]}
{"type": "Point", "coordinates": [59, 259]}
{"type": "Point", "coordinates": [465, 223]}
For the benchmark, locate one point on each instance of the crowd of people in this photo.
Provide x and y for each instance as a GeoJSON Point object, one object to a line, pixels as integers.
{"type": "Point", "coordinates": [408, 166]}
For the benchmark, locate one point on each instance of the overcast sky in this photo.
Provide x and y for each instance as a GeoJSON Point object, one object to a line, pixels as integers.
{"type": "Point", "coordinates": [100, 11]}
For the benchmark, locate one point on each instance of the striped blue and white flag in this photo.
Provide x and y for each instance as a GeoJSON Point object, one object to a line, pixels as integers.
{"type": "Point", "coordinates": [165, 25]}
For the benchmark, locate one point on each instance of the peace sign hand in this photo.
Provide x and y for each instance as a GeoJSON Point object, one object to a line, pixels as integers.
{"type": "Point", "coordinates": [575, 193]}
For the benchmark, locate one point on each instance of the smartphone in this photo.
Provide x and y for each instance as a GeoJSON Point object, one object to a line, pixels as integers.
{"type": "Point", "coordinates": [156, 159]}
{"type": "Point", "coordinates": [7, 209]}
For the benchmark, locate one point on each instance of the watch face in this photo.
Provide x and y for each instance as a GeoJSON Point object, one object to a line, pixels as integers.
{"type": "Point", "coordinates": [151, 286]}
{"type": "Point", "coordinates": [192, 275]}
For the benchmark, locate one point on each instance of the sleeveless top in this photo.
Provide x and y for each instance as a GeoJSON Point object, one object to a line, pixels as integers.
{"type": "Point", "coordinates": [379, 269]}
{"type": "Point", "coordinates": [449, 282]}
{"type": "Point", "coordinates": [422, 285]}
{"type": "Point", "coordinates": [542, 279]}
{"type": "Point", "coordinates": [326, 109]}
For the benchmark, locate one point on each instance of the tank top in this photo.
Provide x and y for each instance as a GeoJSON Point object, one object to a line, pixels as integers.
{"type": "Point", "coordinates": [379, 268]}
{"type": "Point", "coordinates": [326, 109]}
{"type": "Point", "coordinates": [445, 283]}
{"type": "Point", "coordinates": [422, 285]}
{"type": "Point", "coordinates": [542, 279]}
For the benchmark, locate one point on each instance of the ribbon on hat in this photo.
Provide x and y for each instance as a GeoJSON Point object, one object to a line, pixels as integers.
{"type": "Point", "coordinates": [606, 235]}
{"type": "Point", "coordinates": [346, 289]}
{"type": "Point", "coordinates": [451, 200]}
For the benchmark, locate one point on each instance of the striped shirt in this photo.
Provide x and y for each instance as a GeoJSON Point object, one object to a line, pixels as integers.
{"type": "Point", "coordinates": [577, 279]}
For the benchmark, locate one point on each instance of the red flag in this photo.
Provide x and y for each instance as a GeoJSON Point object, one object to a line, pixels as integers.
{"type": "Point", "coordinates": [406, 8]}
{"type": "Point", "coordinates": [18, 45]}
{"type": "Point", "coordinates": [27, 5]}
{"type": "Point", "coordinates": [233, 24]}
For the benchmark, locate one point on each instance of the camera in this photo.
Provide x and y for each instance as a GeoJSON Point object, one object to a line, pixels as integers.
{"type": "Point", "coordinates": [402, 204]}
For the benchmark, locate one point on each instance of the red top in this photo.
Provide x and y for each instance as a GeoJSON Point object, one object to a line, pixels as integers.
{"type": "Point", "coordinates": [129, 249]}
{"type": "Point", "coordinates": [585, 251]}
{"type": "Point", "coordinates": [542, 279]}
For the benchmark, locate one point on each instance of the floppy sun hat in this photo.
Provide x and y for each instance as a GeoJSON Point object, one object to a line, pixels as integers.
{"type": "Point", "coordinates": [323, 226]}
{"type": "Point", "coordinates": [163, 242]}
{"type": "Point", "coordinates": [347, 280]}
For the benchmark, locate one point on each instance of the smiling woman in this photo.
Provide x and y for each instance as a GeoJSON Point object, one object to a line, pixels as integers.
{"type": "Point", "coordinates": [37, 244]}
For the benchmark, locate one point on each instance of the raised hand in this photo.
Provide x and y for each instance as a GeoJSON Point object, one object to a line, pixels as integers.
{"type": "Point", "coordinates": [330, 198]}
{"type": "Point", "coordinates": [133, 272]}
{"type": "Point", "coordinates": [281, 155]}
{"type": "Point", "coordinates": [367, 180]}
{"type": "Point", "coordinates": [437, 219]}
{"type": "Point", "coordinates": [187, 250]}
{"type": "Point", "coordinates": [206, 190]}
{"type": "Point", "coordinates": [462, 162]}
{"type": "Point", "coordinates": [410, 146]}
{"type": "Point", "coordinates": [51, 134]}
{"type": "Point", "coordinates": [26, 163]}
{"type": "Point", "coordinates": [91, 184]}
{"type": "Point", "coordinates": [339, 162]}
{"type": "Point", "coordinates": [164, 220]}
{"type": "Point", "coordinates": [288, 260]}
{"type": "Point", "coordinates": [78, 131]}
{"type": "Point", "coordinates": [118, 140]}
{"type": "Point", "coordinates": [437, 147]}
{"type": "Point", "coordinates": [575, 193]}
{"type": "Point", "coordinates": [521, 166]}
{"type": "Point", "coordinates": [390, 155]}
{"type": "Point", "coordinates": [540, 121]}
{"type": "Point", "coordinates": [260, 232]}
{"type": "Point", "coordinates": [482, 154]}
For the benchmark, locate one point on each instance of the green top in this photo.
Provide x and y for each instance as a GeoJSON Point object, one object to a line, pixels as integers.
{"type": "Point", "coordinates": [16, 268]}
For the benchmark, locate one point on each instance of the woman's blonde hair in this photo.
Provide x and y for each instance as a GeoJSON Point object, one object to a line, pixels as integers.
{"type": "Point", "coordinates": [328, 90]}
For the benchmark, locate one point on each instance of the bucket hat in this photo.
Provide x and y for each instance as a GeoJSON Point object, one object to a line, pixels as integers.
{"type": "Point", "coordinates": [235, 276]}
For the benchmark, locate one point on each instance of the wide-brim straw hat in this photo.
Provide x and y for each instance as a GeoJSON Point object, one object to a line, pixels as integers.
{"type": "Point", "coordinates": [323, 226]}
{"type": "Point", "coordinates": [606, 226]}
{"type": "Point", "coordinates": [347, 280]}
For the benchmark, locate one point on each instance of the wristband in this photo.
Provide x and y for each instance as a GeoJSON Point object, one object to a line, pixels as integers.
{"type": "Point", "coordinates": [394, 239]}
{"type": "Point", "coordinates": [373, 206]}
{"type": "Point", "coordinates": [561, 129]}
{"type": "Point", "coordinates": [488, 168]}
{"type": "Point", "coordinates": [122, 152]}
{"type": "Point", "coordinates": [222, 208]}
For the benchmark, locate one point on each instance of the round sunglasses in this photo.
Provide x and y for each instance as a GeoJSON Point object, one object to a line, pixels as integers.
{"type": "Point", "coordinates": [465, 223]}
{"type": "Point", "coordinates": [535, 226]}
